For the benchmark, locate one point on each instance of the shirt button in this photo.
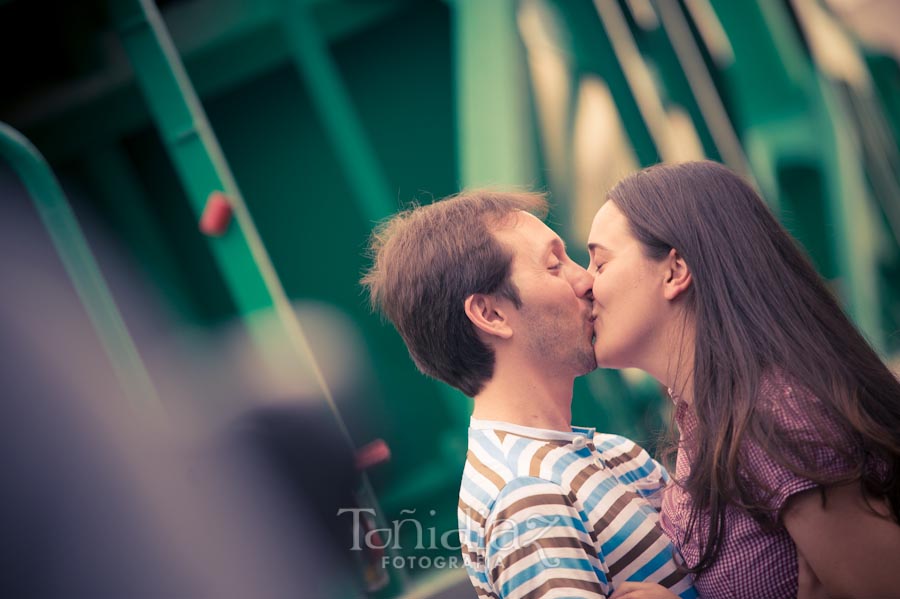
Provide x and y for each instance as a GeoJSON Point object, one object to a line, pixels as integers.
{"type": "Point", "coordinates": [579, 442]}
{"type": "Point", "coordinates": [601, 463]}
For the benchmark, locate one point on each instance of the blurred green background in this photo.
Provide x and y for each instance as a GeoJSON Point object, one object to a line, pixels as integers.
{"type": "Point", "coordinates": [318, 118]}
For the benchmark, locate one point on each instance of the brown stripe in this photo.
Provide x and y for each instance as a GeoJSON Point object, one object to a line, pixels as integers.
{"type": "Point", "coordinates": [565, 583]}
{"type": "Point", "coordinates": [672, 579]}
{"type": "Point", "coordinates": [625, 457]}
{"type": "Point", "coordinates": [471, 512]}
{"type": "Point", "coordinates": [582, 477]}
{"type": "Point", "coordinates": [652, 535]}
{"type": "Point", "coordinates": [485, 593]}
{"type": "Point", "coordinates": [483, 470]}
{"type": "Point", "coordinates": [538, 458]}
{"type": "Point", "coordinates": [543, 543]}
{"type": "Point", "coordinates": [526, 502]}
{"type": "Point", "coordinates": [614, 510]}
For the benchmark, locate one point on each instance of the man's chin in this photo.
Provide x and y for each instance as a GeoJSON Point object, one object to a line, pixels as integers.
{"type": "Point", "coordinates": [588, 364]}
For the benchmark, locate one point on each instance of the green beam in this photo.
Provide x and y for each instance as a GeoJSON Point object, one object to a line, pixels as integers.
{"type": "Point", "coordinates": [594, 53]}
{"type": "Point", "coordinates": [683, 62]}
{"type": "Point", "coordinates": [800, 148]}
{"type": "Point", "coordinates": [495, 129]}
{"type": "Point", "coordinates": [191, 143]}
{"type": "Point", "coordinates": [310, 53]}
{"type": "Point", "coordinates": [82, 268]}
{"type": "Point", "coordinates": [223, 44]}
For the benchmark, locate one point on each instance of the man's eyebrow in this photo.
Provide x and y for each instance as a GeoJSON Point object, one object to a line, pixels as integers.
{"type": "Point", "coordinates": [555, 244]}
{"type": "Point", "coordinates": [597, 246]}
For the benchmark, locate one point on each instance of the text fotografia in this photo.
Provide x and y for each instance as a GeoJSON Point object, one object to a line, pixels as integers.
{"type": "Point", "coordinates": [506, 535]}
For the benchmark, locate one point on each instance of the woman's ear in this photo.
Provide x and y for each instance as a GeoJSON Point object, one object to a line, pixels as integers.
{"type": "Point", "coordinates": [487, 315]}
{"type": "Point", "coordinates": [678, 275]}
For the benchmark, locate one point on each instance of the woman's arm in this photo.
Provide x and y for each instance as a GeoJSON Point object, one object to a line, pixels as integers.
{"type": "Point", "coordinates": [808, 586]}
{"type": "Point", "coordinates": [852, 551]}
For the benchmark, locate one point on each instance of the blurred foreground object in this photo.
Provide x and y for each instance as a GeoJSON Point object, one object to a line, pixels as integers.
{"type": "Point", "coordinates": [99, 500]}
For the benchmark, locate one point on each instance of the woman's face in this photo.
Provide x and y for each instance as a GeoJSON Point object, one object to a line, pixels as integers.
{"type": "Point", "coordinates": [629, 304]}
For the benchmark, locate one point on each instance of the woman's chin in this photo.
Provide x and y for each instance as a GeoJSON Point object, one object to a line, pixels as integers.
{"type": "Point", "coordinates": [609, 359]}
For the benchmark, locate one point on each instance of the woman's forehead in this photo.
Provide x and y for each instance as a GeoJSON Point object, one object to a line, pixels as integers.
{"type": "Point", "coordinates": [609, 226]}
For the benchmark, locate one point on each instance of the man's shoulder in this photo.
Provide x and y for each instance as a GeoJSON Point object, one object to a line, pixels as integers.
{"type": "Point", "coordinates": [523, 493]}
{"type": "Point", "coordinates": [611, 446]}
{"type": "Point", "coordinates": [608, 441]}
{"type": "Point", "coordinates": [479, 505]}
{"type": "Point", "coordinates": [629, 461]}
{"type": "Point", "coordinates": [500, 465]}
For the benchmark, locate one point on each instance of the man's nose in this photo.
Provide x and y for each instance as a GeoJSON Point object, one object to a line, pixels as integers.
{"type": "Point", "coordinates": [582, 282]}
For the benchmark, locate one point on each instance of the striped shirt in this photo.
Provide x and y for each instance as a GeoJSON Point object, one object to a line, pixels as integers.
{"type": "Point", "coordinates": [553, 514]}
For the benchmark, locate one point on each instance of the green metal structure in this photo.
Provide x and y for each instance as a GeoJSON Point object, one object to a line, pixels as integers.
{"type": "Point", "coordinates": [317, 119]}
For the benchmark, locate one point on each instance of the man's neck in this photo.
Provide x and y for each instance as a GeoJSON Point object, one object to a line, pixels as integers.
{"type": "Point", "coordinates": [534, 401]}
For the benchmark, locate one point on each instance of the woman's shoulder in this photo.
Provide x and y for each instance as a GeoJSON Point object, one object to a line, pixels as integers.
{"type": "Point", "coordinates": [799, 444]}
{"type": "Point", "coordinates": [788, 405]}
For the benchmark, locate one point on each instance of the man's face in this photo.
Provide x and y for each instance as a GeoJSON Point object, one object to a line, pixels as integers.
{"type": "Point", "coordinates": [554, 324]}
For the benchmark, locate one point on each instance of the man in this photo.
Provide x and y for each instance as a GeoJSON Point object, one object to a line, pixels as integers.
{"type": "Point", "coordinates": [487, 300]}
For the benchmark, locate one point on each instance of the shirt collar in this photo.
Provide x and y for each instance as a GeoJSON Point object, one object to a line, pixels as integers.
{"type": "Point", "coordinates": [534, 433]}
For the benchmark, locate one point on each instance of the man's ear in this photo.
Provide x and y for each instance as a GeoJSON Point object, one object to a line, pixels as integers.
{"type": "Point", "coordinates": [678, 275]}
{"type": "Point", "coordinates": [487, 315]}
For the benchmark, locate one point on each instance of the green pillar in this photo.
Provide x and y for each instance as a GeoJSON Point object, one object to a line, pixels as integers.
{"type": "Point", "coordinates": [494, 124]}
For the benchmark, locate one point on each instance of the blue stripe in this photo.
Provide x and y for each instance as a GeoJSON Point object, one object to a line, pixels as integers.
{"type": "Point", "coordinates": [638, 472]}
{"type": "Point", "coordinates": [623, 533]}
{"type": "Point", "coordinates": [477, 492]}
{"type": "Point", "coordinates": [474, 537]}
{"type": "Point", "coordinates": [526, 481]}
{"type": "Point", "coordinates": [564, 462]}
{"type": "Point", "coordinates": [661, 559]}
{"type": "Point", "coordinates": [689, 593]}
{"type": "Point", "coordinates": [612, 441]}
{"type": "Point", "coordinates": [479, 575]}
{"type": "Point", "coordinates": [489, 446]}
{"type": "Point", "coordinates": [516, 452]}
{"type": "Point", "coordinates": [603, 487]}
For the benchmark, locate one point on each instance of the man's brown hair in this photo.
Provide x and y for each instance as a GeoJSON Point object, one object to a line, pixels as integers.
{"type": "Point", "coordinates": [427, 260]}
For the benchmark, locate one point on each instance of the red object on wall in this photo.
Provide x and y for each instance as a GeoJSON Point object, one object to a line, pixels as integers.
{"type": "Point", "coordinates": [216, 215]}
{"type": "Point", "coordinates": [372, 454]}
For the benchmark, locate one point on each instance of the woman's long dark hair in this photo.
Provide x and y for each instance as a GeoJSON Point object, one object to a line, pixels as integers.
{"type": "Point", "coordinates": [759, 307]}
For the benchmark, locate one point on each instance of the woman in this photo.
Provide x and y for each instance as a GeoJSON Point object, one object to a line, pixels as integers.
{"type": "Point", "coordinates": [788, 466]}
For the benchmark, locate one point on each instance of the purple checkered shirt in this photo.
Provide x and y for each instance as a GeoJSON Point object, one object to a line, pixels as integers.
{"type": "Point", "coordinates": [754, 561]}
